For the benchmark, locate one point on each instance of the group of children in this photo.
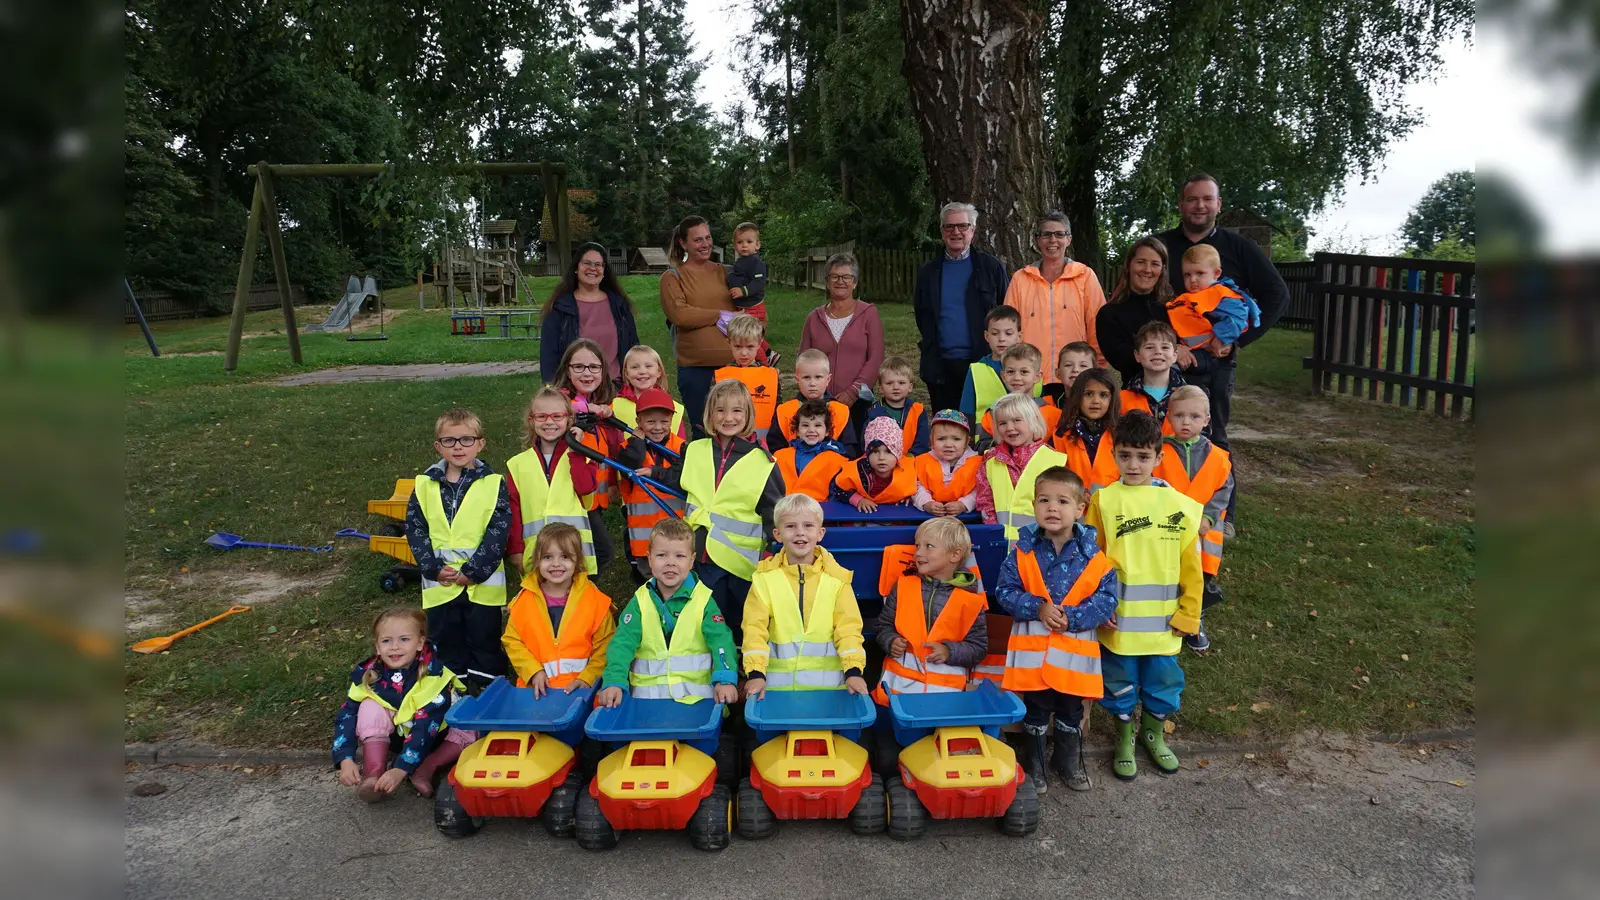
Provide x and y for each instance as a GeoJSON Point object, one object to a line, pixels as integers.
{"type": "Point", "coordinates": [1111, 500]}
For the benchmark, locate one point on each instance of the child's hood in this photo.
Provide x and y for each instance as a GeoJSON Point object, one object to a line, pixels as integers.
{"type": "Point", "coordinates": [822, 564]}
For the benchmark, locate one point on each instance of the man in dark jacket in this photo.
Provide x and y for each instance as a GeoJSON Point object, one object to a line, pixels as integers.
{"type": "Point", "coordinates": [952, 295]}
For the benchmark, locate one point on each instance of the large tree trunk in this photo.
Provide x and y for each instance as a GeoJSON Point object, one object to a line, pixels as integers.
{"type": "Point", "coordinates": [1078, 142]}
{"type": "Point", "coordinates": [973, 69]}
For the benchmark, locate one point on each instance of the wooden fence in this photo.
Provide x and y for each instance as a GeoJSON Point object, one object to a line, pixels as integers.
{"type": "Point", "coordinates": [1408, 324]}
{"type": "Point", "coordinates": [1301, 277]}
{"type": "Point", "coordinates": [887, 276]}
{"type": "Point", "coordinates": [162, 306]}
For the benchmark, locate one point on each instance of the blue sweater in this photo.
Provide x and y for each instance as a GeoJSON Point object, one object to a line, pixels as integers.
{"type": "Point", "coordinates": [955, 341]}
{"type": "Point", "coordinates": [1061, 571]}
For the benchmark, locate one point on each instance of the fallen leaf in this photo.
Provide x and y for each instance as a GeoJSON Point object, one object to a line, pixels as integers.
{"type": "Point", "coordinates": [1168, 726]}
{"type": "Point", "coordinates": [1203, 763]}
{"type": "Point", "coordinates": [1457, 782]}
{"type": "Point", "coordinates": [1312, 614]}
{"type": "Point", "coordinates": [1405, 657]}
{"type": "Point", "coordinates": [1233, 707]}
{"type": "Point", "coordinates": [1365, 679]}
{"type": "Point", "coordinates": [1258, 707]}
{"type": "Point", "coordinates": [1249, 756]}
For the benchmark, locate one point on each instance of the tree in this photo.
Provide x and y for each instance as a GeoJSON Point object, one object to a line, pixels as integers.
{"type": "Point", "coordinates": [1445, 212]}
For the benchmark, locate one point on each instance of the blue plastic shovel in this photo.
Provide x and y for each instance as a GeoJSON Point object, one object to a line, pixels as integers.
{"type": "Point", "coordinates": [225, 541]}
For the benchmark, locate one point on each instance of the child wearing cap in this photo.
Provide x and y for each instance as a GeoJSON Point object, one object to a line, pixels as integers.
{"type": "Point", "coordinates": [654, 412]}
{"type": "Point", "coordinates": [947, 475]}
{"type": "Point", "coordinates": [883, 477]}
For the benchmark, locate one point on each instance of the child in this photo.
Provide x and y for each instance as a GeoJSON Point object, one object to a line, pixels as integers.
{"type": "Point", "coordinates": [932, 628]}
{"type": "Point", "coordinates": [457, 524]}
{"type": "Point", "coordinates": [670, 617]}
{"type": "Point", "coordinates": [749, 366]}
{"type": "Point", "coordinates": [1058, 588]}
{"type": "Point", "coordinates": [812, 460]}
{"type": "Point", "coordinates": [546, 483]}
{"type": "Point", "coordinates": [747, 285]}
{"type": "Point", "coordinates": [560, 622]}
{"type": "Point", "coordinates": [947, 475]}
{"type": "Point", "coordinates": [812, 372]}
{"type": "Point", "coordinates": [1203, 472]}
{"type": "Point", "coordinates": [732, 486]}
{"type": "Point", "coordinates": [1084, 430]}
{"type": "Point", "coordinates": [883, 477]}
{"type": "Point", "coordinates": [802, 628]}
{"type": "Point", "coordinates": [1075, 359]}
{"type": "Point", "coordinates": [583, 379]}
{"type": "Point", "coordinates": [1020, 375]}
{"type": "Point", "coordinates": [1153, 540]}
{"type": "Point", "coordinates": [894, 401]}
{"type": "Point", "coordinates": [1002, 330]}
{"type": "Point", "coordinates": [1212, 312]}
{"type": "Point", "coordinates": [1005, 483]}
{"type": "Point", "coordinates": [400, 693]}
{"type": "Point", "coordinates": [655, 412]}
{"type": "Point", "coordinates": [642, 370]}
{"type": "Point", "coordinates": [1155, 349]}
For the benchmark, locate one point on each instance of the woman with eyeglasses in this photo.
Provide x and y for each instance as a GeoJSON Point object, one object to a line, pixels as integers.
{"type": "Point", "coordinates": [1058, 297]}
{"type": "Point", "coordinates": [588, 303]}
{"type": "Point", "coordinates": [694, 298]}
{"type": "Point", "coordinates": [851, 334]}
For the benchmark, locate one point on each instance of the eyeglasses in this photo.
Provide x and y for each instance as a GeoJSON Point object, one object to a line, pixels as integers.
{"type": "Point", "coordinates": [550, 417]}
{"type": "Point", "coordinates": [590, 368]}
{"type": "Point", "coordinates": [1051, 234]}
{"type": "Point", "coordinates": [591, 265]}
{"type": "Point", "coordinates": [453, 442]}
{"type": "Point", "coordinates": [841, 279]}
{"type": "Point", "coordinates": [955, 226]}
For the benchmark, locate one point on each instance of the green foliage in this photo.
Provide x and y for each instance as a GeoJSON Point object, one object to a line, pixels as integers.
{"type": "Point", "coordinates": [1445, 212]}
{"type": "Point", "coordinates": [1450, 248]}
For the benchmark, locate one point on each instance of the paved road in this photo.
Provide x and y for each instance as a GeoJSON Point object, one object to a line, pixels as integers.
{"type": "Point", "coordinates": [1329, 817]}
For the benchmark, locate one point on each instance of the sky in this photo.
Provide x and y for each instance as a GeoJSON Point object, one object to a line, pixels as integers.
{"type": "Point", "coordinates": [1480, 110]}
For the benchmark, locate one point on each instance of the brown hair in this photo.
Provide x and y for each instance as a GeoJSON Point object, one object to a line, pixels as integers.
{"type": "Point", "coordinates": [672, 528]}
{"type": "Point", "coordinates": [1007, 313]}
{"type": "Point", "coordinates": [1138, 430]}
{"type": "Point", "coordinates": [562, 537]}
{"type": "Point", "coordinates": [811, 409]}
{"type": "Point", "coordinates": [1124, 287]}
{"type": "Point", "coordinates": [1023, 351]}
{"type": "Point", "coordinates": [411, 614]}
{"type": "Point", "coordinates": [1083, 347]}
{"type": "Point", "coordinates": [745, 228]}
{"type": "Point", "coordinates": [895, 365]}
{"type": "Point", "coordinates": [457, 415]}
{"type": "Point", "coordinates": [746, 327]}
{"type": "Point", "coordinates": [1061, 475]}
{"type": "Point", "coordinates": [741, 396]}
{"type": "Point", "coordinates": [1073, 407]}
{"type": "Point", "coordinates": [605, 392]}
{"type": "Point", "coordinates": [548, 392]}
{"type": "Point", "coordinates": [1154, 329]}
{"type": "Point", "coordinates": [675, 252]}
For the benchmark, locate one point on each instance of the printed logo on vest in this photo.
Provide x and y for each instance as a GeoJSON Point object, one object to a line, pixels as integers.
{"type": "Point", "coordinates": [626, 618]}
{"type": "Point", "coordinates": [1132, 525]}
{"type": "Point", "coordinates": [1174, 522]}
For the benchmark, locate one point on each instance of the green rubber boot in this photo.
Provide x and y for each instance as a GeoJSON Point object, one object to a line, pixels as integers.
{"type": "Point", "coordinates": [1122, 763]}
{"type": "Point", "coordinates": [1153, 736]}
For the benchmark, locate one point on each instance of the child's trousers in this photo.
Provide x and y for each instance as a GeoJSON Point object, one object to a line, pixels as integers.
{"type": "Point", "coordinates": [1156, 681]}
{"type": "Point", "coordinates": [374, 723]}
{"type": "Point", "coordinates": [604, 548]}
{"type": "Point", "coordinates": [729, 591]}
{"type": "Point", "coordinates": [467, 635]}
{"type": "Point", "coordinates": [1040, 705]}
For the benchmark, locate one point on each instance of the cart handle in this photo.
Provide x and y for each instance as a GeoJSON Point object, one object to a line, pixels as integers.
{"type": "Point", "coordinates": [643, 481]}
{"type": "Point", "coordinates": [587, 421]}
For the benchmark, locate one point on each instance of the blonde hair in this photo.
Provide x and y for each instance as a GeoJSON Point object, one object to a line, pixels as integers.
{"type": "Point", "coordinates": [746, 327]}
{"type": "Point", "coordinates": [1203, 255]}
{"type": "Point", "coordinates": [740, 395]}
{"type": "Point", "coordinates": [457, 416]}
{"type": "Point", "coordinates": [562, 537]}
{"type": "Point", "coordinates": [530, 437]}
{"type": "Point", "coordinates": [813, 356]}
{"type": "Point", "coordinates": [671, 528]}
{"type": "Point", "coordinates": [1187, 392]}
{"type": "Point", "coordinates": [795, 505]}
{"type": "Point", "coordinates": [894, 365]}
{"type": "Point", "coordinates": [1021, 405]}
{"type": "Point", "coordinates": [646, 350]}
{"type": "Point", "coordinates": [948, 531]}
{"type": "Point", "coordinates": [747, 228]}
{"type": "Point", "coordinates": [1024, 351]}
{"type": "Point", "coordinates": [411, 614]}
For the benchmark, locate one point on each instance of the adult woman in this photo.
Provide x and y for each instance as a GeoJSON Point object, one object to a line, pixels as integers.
{"type": "Point", "coordinates": [850, 332]}
{"type": "Point", "coordinates": [1140, 296]}
{"type": "Point", "coordinates": [1058, 298]}
{"type": "Point", "coordinates": [694, 295]}
{"type": "Point", "coordinates": [588, 303]}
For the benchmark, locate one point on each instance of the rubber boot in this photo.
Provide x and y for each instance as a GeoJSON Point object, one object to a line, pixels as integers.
{"type": "Point", "coordinates": [443, 757]}
{"type": "Point", "coordinates": [1067, 759]}
{"type": "Point", "coordinates": [1122, 762]}
{"type": "Point", "coordinates": [374, 760]}
{"type": "Point", "coordinates": [1033, 756]}
{"type": "Point", "coordinates": [1153, 735]}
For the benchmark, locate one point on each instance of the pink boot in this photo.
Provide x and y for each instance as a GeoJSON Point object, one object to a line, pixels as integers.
{"type": "Point", "coordinates": [443, 757]}
{"type": "Point", "coordinates": [374, 760]}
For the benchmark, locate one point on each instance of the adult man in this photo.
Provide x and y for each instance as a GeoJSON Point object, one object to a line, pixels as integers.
{"type": "Point", "coordinates": [952, 295]}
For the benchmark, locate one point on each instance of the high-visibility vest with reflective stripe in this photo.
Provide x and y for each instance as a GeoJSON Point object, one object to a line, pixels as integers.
{"type": "Point", "coordinates": [643, 512]}
{"type": "Point", "coordinates": [1139, 400]}
{"type": "Point", "coordinates": [963, 481]}
{"type": "Point", "coordinates": [1145, 528]}
{"type": "Point", "coordinates": [993, 666]}
{"type": "Point", "coordinates": [1187, 313]}
{"type": "Point", "coordinates": [902, 485]}
{"type": "Point", "coordinates": [1208, 479]}
{"type": "Point", "coordinates": [728, 510]}
{"type": "Point", "coordinates": [817, 477]}
{"type": "Point", "coordinates": [596, 441]}
{"type": "Point", "coordinates": [455, 540]}
{"type": "Point", "coordinates": [987, 388]}
{"type": "Point", "coordinates": [1013, 504]}
{"type": "Point", "coordinates": [839, 412]}
{"type": "Point", "coordinates": [908, 430]}
{"type": "Point", "coordinates": [681, 670]}
{"type": "Point", "coordinates": [425, 690]}
{"type": "Point", "coordinates": [626, 411]}
{"type": "Point", "coordinates": [563, 652]}
{"type": "Point", "coordinates": [801, 655]}
{"type": "Point", "coordinates": [913, 672]}
{"type": "Point", "coordinates": [1095, 473]}
{"type": "Point", "coordinates": [1038, 658]}
{"type": "Point", "coordinates": [762, 382]}
{"type": "Point", "coordinates": [544, 500]}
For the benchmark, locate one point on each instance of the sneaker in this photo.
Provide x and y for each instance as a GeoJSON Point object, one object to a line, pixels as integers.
{"type": "Point", "coordinates": [1198, 642]}
{"type": "Point", "coordinates": [1228, 531]}
{"type": "Point", "coordinates": [772, 358]}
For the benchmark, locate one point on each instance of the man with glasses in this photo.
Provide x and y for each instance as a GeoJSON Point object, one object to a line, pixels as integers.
{"type": "Point", "coordinates": [952, 295]}
{"type": "Point", "coordinates": [1059, 298]}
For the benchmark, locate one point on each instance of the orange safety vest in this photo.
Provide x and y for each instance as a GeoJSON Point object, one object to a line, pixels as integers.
{"type": "Point", "coordinates": [903, 486]}
{"type": "Point", "coordinates": [1139, 400]}
{"type": "Point", "coordinates": [818, 476]}
{"type": "Point", "coordinates": [762, 381]}
{"type": "Point", "coordinates": [1212, 476]}
{"type": "Point", "coordinates": [643, 512]}
{"type": "Point", "coordinates": [564, 655]}
{"type": "Point", "coordinates": [963, 481]}
{"type": "Point", "coordinates": [1038, 658]}
{"type": "Point", "coordinates": [1051, 414]}
{"type": "Point", "coordinates": [993, 667]}
{"type": "Point", "coordinates": [908, 431]}
{"type": "Point", "coordinates": [596, 441]}
{"type": "Point", "coordinates": [1187, 313]}
{"type": "Point", "coordinates": [1095, 473]}
{"type": "Point", "coordinates": [913, 673]}
{"type": "Point", "coordinates": [840, 412]}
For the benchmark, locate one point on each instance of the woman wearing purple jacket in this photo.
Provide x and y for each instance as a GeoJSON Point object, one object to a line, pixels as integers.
{"type": "Point", "coordinates": [851, 334]}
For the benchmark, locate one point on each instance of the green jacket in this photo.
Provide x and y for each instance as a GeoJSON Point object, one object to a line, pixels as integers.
{"type": "Point", "coordinates": [625, 643]}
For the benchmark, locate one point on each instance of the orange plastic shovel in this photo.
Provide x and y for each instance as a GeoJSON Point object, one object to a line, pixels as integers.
{"type": "Point", "coordinates": [158, 644]}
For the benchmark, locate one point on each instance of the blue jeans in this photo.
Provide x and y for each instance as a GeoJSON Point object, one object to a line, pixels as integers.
{"type": "Point", "coordinates": [1155, 680]}
{"type": "Point", "coordinates": [694, 383]}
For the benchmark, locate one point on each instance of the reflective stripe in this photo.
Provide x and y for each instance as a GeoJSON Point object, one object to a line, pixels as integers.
{"type": "Point", "coordinates": [1143, 624]}
{"type": "Point", "coordinates": [725, 539]}
{"type": "Point", "coordinates": [454, 555]}
{"type": "Point", "coordinates": [531, 528]}
{"type": "Point", "coordinates": [1074, 662]}
{"type": "Point", "coordinates": [565, 667]}
{"type": "Point", "coordinates": [651, 692]}
{"type": "Point", "coordinates": [895, 683]}
{"type": "Point", "coordinates": [680, 689]}
{"type": "Point", "coordinates": [734, 526]}
{"type": "Point", "coordinates": [810, 678]}
{"type": "Point", "coordinates": [1024, 659]}
{"type": "Point", "coordinates": [1210, 546]}
{"type": "Point", "coordinates": [689, 662]}
{"type": "Point", "coordinates": [1147, 592]}
{"type": "Point", "coordinates": [648, 666]}
{"type": "Point", "coordinates": [910, 661]}
{"type": "Point", "coordinates": [1195, 340]}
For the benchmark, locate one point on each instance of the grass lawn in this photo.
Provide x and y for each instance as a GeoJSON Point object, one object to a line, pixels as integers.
{"type": "Point", "coordinates": [1350, 587]}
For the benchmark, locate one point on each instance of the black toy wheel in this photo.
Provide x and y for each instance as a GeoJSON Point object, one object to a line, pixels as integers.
{"type": "Point", "coordinates": [391, 582]}
{"type": "Point", "coordinates": [756, 821]}
{"type": "Point", "coordinates": [728, 762]}
{"type": "Point", "coordinates": [711, 823]}
{"type": "Point", "coordinates": [391, 530]}
{"type": "Point", "coordinates": [559, 814]}
{"type": "Point", "coordinates": [592, 829]}
{"type": "Point", "coordinates": [1022, 816]}
{"type": "Point", "coordinates": [908, 818]}
{"type": "Point", "coordinates": [870, 815]}
{"type": "Point", "coordinates": [449, 816]}
{"type": "Point", "coordinates": [590, 753]}
{"type": "Point", "coordinates": [885, 755]}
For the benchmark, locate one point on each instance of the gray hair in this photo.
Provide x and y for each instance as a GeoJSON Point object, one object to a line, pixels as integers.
{"type": "Point", "coordinates": [839, 260]}
{"type": "Point", "coordinates": [952, 206]}
{"type": "Point", "coordinates": [1056, 215]}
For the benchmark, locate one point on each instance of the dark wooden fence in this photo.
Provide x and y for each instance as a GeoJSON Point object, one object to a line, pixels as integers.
{"type": "Point", "coordinates": [1301, 277]}
{"type": "Point", "coordinates": [1406, 324]}
{"type": "Point", "coordinates": [162, 306]}
{"type": "Point", "coordinates": [887, 276]}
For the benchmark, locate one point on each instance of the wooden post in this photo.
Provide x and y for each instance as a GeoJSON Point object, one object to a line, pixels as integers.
{"type": "Point", "coordinates": [280, 264]}
{"type": "Point", "coordinates": [241, 290]}
{"type": "Point", "coordinates": [563, 221]}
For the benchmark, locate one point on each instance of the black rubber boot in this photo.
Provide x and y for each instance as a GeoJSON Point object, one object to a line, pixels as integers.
{"type": "Point", "coordinates": [1033, 755]}
{"type": "Point", "coordinates": [1067, 760]}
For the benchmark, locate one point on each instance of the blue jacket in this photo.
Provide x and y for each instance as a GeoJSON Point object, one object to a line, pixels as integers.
{"type": "Point", "coordinates": [804, 453]}
{"type": "Point", "coordinates": [1061, 571]}
{"type": "Point", "coordinates": [490, 550]}
{"type": "Point", "coordinates": [1233, 318]}
{"type": "Point", "coordinates": [560, 328]}
{"type": "Point", "coordinates": [919, 443]}
{"type": "Point", "coordinates": [985, 290]}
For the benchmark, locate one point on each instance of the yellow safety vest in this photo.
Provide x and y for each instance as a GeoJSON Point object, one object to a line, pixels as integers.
{"type": "Point", "coordinates": [987, 388]}
{"type": "Point", "coordinates": [455, 540]}
{"type": "Point", "coordinates": [727, 511]}
{"type": "Point", "coordinates": [426, 690]}
{"type": "Point", "coordinates": [627, 412]}
{"type": "Point", "coordinates": [1013, 506]}
{"type": "Point", "coordinates": [1146, 529]}
{"type": "Point", "coordinates": [682, 670]}
{"type": "Point", "coordinates": [543, 501]}
{"type": "Point", "coordinates": [801, 656]}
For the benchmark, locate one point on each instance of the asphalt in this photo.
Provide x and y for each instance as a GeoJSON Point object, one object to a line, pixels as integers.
{"type": "Point", "coordinates": [1327, 816]}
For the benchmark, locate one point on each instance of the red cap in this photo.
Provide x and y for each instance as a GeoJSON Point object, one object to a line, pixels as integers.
{"type": "Point", "coordinates": [654, 398]}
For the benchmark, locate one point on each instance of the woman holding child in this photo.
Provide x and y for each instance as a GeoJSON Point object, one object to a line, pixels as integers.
{"type": "Point", "coordinates": [851, 334]}
{"type": "Point", "coordinates": [1140, 296]}
{"type": "Point", "coordinates": [694, 298]}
